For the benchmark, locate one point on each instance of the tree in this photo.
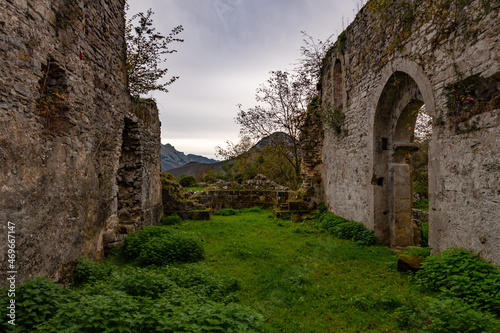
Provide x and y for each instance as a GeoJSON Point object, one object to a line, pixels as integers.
{"type": "Point", "coordinates": [284, 98]}
{"type": "Point", "coordinates": [313, 52]}
{"type": "Point", "coordinates": [283, 102]}
{"type": "Point", "coordinates": [234, 151]}
{"type": "Point", "coordinates": [245, 160]}
{"type": "Point", "coordinates": [145, 51]}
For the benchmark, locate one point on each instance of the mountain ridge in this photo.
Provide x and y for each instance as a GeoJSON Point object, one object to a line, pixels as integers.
{"type": "Point", "coordinates": [171, 158]}
{"type": "Point", "coordinates": [195, 168]}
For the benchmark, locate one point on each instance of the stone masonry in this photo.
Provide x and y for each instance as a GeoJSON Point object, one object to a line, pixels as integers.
{"type": "Point", "coordinates": [80, 161]}
{"type": "Point", "coordinates": [394, 58]}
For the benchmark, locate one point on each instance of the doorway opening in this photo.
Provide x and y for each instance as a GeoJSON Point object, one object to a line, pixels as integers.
{"type": "Point", "coordinates": [129, 179]}
{"type": "Point", "coordinates": [395, 148]}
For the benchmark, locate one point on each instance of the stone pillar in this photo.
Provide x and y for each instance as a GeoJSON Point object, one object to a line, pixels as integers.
{"type": "Point", "coordinates": [402, 227]}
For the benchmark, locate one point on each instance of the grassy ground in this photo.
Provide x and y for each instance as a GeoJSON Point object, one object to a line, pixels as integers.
{"type": "Point", "coordinates": [260, 274]}
{"type": "Point", "coordinates": [304, 280]}
{"type": "Point", "coordinates": [194, 188]}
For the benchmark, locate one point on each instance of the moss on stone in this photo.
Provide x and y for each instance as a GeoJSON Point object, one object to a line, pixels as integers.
{"type": "Point", "coordinates": [409, 262]}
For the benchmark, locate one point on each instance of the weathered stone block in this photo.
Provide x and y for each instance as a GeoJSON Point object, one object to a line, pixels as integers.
{"type": "Point", "coordinates": [408, 263]}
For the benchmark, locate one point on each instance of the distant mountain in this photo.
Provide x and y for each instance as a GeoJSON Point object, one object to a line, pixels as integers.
{"type": "Point", "coordinates": [171, 158]}
{"type": "Point", "coordinates": [195, 169]}
{"type": "Point", "coordinates": [197, 165]}
{"type": "Point", "coordinates": [279, 138]}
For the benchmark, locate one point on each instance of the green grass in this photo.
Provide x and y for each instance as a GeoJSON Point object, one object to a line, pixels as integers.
{"type": "Point", "coordinates": [422, 204]}
{"type": "Point", "coordinates": [194, 188]}
{"type": "Point", "coordinates": [304, 280]}
{"type": "Point", "coordinates": [262, 274]}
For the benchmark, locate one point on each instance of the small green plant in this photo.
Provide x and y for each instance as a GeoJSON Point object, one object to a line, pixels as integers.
{"type": "Point", "coordinates": [226, 212]}
{"type": "Point", "coordinates": [88, 271]}
{"type": "Point", "coordinates": [167, 176]}
{"type": "Point", "coordinates": [113, 312]}
{"type": "Point", "coordinates": [170, 220]}
{"type": "Point", "coordinates": [155, 245]}
{"type": "Point", "coordinates": [422, 204]}
{"type": "Point", "coordinates": [51, 104]}
{"type": "Point", "coordinates": [134, 243]}
{"type": "Point", "coordinates": [256, 209]}
{"type": "Point", "coordinates": [422, 252]}
{"type": "Point", "coordinates": [37, 300]}
{"type": "Point", "coordinates": [462, 274]}
{"type": "Point", "coordinates": [143, 282]}
{"type": "Point", "coordinates": [187, 181]}
{"type": "Point", "coordinates": [341, 42]}
{"type": "Point", "coordinates": [454, 315]}
{"type": "Point", "coordinates": [345, 229]}
{"type": "Point", "coordinates": [332, 117]}
{"type": "Point", "coordinates": [425, 233]}
{"type": "Point", "coordinates": [178, 246]}
{"type": "Point", "coordinates": [202, 280]}
{"type": "Point", "coordinates": [445, 315]}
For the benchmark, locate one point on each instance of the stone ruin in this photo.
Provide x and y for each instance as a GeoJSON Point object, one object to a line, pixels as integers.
{"type": "Point", "coordinates": [258, 191]}
{"type": "Point", "coordinates": [259, 182]}
{"type": "Point", "coordinates": [80, 160]}
{"type": "Point", "coordinates": [387, 64]}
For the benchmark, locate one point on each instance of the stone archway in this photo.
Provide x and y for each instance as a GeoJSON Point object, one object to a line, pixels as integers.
{"type": "Point", "coordinates": [393, 136]}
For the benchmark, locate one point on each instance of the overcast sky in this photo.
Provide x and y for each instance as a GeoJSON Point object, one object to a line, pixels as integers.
{"type": "Point", "coordinates": [229, 48]}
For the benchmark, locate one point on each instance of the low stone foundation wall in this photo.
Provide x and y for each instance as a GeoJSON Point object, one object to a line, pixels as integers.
{"type": "Point", "coordinates": [218, 199]}
{"type": "Point", "coordinates": [191, 215]}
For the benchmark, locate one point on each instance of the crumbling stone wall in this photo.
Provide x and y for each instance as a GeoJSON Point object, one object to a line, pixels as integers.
{"type": "Point", "coordinates": [393, 59]}
{"type": "Point", "coordinates": [70, 134]}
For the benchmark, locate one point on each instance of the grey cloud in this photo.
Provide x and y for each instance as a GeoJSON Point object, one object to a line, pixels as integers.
{"type": "Point", "coordinates": [230, 47]}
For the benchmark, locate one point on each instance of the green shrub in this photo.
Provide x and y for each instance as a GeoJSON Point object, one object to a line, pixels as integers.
{"type": "Point", "coordinates": [226, 212]}
{"type": "Point", "coordinates": [88, 271]}
{"type": "Point", "coordinates": [329, 221]}
{"type": "Point", "coordinates": [316, 214]}
{"type": "Point", "coordinates": [411, 316]}
{"type": "Point", "coordinates": [422, 204]}
{"type": "Point", "coordinates": [167, 176]}
{"type": "Point", "coordinates": [187, 181]}
{"type": "Point", "coordinates": [148, 300]}
{"type": "Point", "coordinates": [462, 274]}
{"type": "Point", "coordinates": [37, 300]}
{"type": "Point", "coordinates": [256, 209]}
{"type": "Point", "coordinates": [143, 282]}
{"type": "Point", "coordinates": [155, 245]}
{"type": "Point", "coordinates": [170, 220]}
{"type": "Point", "coordinates": [113, 312]}
{"type": "Point", "coordinates": [203, 281]}
{"type": "Point", "coordinates": [322, 208]}
{"type": "Point", "coordinates": [445, 315]}
{"type": "Point", "coordinates": [344, 229]}
{"type": "Point", "coordinates": [178, 246]}
{"type": "Point", "coordinates": [211, 176]}
{"type": "Point", "coordinates": [425, 234]}
{"type": "Point", "coordinates": [211, 317]}
{"type": "Point", "coordinates": [454, 315]}
{"type": "Point", "coordinates": [134, 243]}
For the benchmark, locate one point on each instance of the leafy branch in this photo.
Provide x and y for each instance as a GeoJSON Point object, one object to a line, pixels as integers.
{"type": "Point", "coordinates": [145, 51]}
